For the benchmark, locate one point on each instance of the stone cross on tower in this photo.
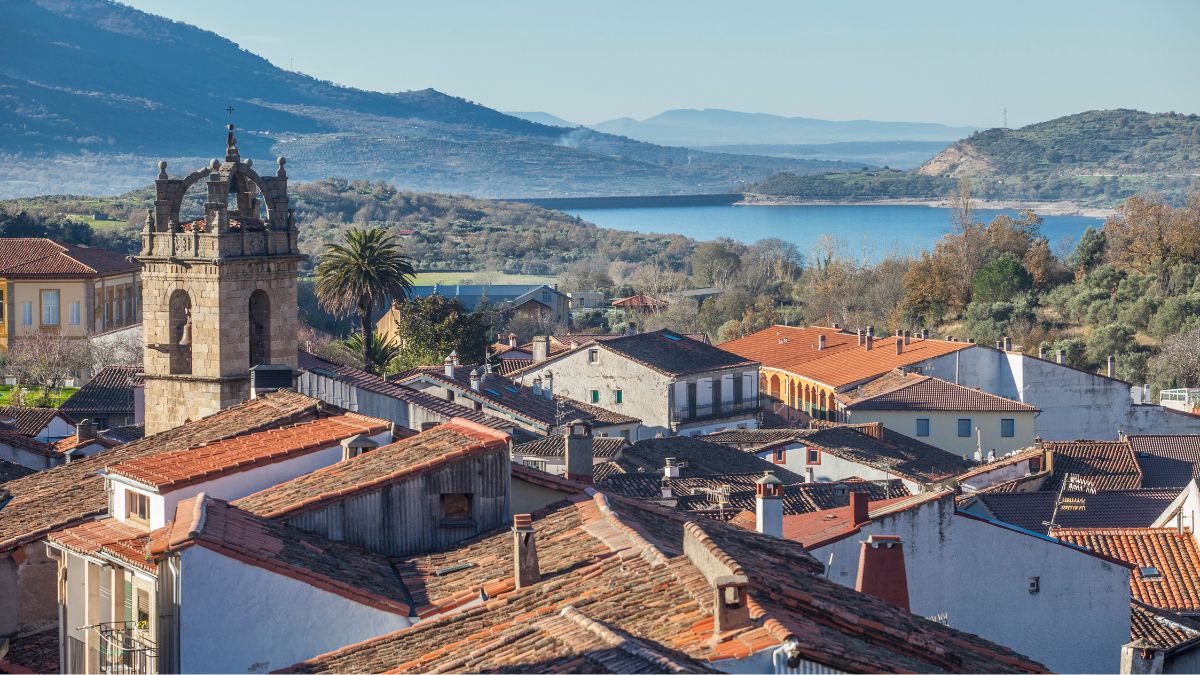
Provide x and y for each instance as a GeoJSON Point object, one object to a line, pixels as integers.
{"type": "Point", "coordinates": [219, 291]}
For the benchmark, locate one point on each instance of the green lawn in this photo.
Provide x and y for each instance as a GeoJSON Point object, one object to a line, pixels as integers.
{"type": "Point", "coordinates": [450, 278]}
{"type": "Point", "coordinates": [98, 224]}
{"type": "Point", "coordinates": [36, 398]}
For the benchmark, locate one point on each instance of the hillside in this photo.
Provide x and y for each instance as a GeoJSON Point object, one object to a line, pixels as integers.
{"type": "Point", "coordinates": [1097, 158]}
{"type": "Point", "coordinates": [93, 93]}
{"type": "Point", "coordinates": [894, 154]}
{"type": "Point", "coordinates": [711, 127]}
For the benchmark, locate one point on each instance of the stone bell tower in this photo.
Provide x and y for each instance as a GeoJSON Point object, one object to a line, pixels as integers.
{"type": "Point", "coordinates": [219, 292]}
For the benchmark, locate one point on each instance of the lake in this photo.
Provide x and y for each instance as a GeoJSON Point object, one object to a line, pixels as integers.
{"type": "Point", "coordinates": [875, 230]}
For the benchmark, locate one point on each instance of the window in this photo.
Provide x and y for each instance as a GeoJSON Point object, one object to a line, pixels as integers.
{"type": "Point", "coordinates": [456, 507]}
{"type": "Point", "coordinates": [922, 427]}
{"type": "Point", "coordinates": [137, 507]}
{"type": "Point", "coordinates": [593, 356]}
{"type": "Point", "coordinates": [1008, 427]}
{"type": "Point", "coordinates": [73, 319]}
{"type": "Point", "coordinates": [594, 395]}
{"type": "Point", "coordinates": [26, 313]}
{"type": "Point", "coordinates": [2, 304]}
{"type": "Point", "coordinates": [179, 308]}
{"type": "Point", "coordinates": [50, 313]}
{"type": "Point", "coordinates": [737, 390]}
{"type": "Point", "coordinates": [813, 456]}
{"type": "Point", "coordinates": [539, 464]}
{"type": "Point", "coordinates": [779, 455]}
{"type": "Point", "coordinates": [964, 427]}
{"type": "Point", "coordinates": [618, 396]}
{"type": "Point", "coordinates": [260, 328]}
{"type": "Point", "coordinates": [143, 609]}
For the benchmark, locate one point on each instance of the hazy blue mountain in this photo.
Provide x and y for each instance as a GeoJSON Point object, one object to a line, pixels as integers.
{"type": "Point", "coordinates": [896, 154]}
{"type": "Point", "coordinates": [542, 118]}
{"type": "Point", "coordinates": [714, 126]}
{"type": "Point", "coordinates": [93, 93]}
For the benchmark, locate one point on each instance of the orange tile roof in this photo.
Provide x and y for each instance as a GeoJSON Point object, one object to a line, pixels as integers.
{"type": "Point", "coordinates": [409, 458]}
{"type": "Point", "coordinates": [1173, 554]}
{"type": "Point", "coordinates": [842, 362]}
{"type": "Point", "coordinates": [65, 445]}
{"type": "Point", "coordinates": [35, 257]}
{"type": "Point", "coordinates": [111, 537]}
{"type": "Point", "coordinates": [820, 528]}
{"type": "Point", "coordinates": [185, 467]}
{"type": "Point", "coordinates": [899, 390]}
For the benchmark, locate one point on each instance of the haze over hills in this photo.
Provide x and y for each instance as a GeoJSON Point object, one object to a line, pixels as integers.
{"type": "Point", "coordinates": [74, 119]}
{"type": "Point", "coordinates": [543, 118]}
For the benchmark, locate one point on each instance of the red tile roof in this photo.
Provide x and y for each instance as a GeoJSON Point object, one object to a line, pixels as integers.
{"type": "Point", "coordinates": [617, 566]}
{"type": "Point", "coordinates": [1111, 508]}
{"type": "Point", "coordinates": [28, 421]}
{"type": "Point", "coordinates": [821, 528]}
{"type": "Point", "coordinates": [74, 492]}
{"type": "Point", "coordinates": [1172, 554]}
{"type": "Point", "coordinates": [65, 445]}
{"type": "Point", "coordinates": [110, 392]}
{"type": "Point", "coordinates": [890, 451]}
{"type": "Point", "coordinates": [1167, 461]}
{"type": "Point", "coordinates": [907, 391]}
{"type": "Point", "coordinates": [554, 446]}
{"type": "Point", "coordinates": [173, 470]}
{"type": "Point", "coordinates": [1109, 465]}
{"type": "Point", "coordinates": [1155, 628]}
{"type": "Point", "coordinates": [404, 460]}
{"type": "Point", "coordinates": [842, 362]}
{"type": "Point", "coordinates": [1014, 458]}
{"type": "Point", "coordinates": [639, 301]}
{"type": "Point", "coordinates": [35, 258]}
{"type": "Point", "coordinates": [108, 537]}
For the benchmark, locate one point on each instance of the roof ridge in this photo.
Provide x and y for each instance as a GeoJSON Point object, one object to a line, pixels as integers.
{"type": "Point", "coordinates": [615, 640]}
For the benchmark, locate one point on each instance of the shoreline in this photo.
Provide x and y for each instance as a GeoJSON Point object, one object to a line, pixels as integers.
{"type": "Point", "coordinates": [1054, 208]}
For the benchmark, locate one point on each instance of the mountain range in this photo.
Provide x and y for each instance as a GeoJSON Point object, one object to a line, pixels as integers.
{"type": "Point", "coordinates": [93, 93]}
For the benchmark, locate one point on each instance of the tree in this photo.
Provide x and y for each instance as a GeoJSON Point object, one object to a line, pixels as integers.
{"type": "Point", "coordinates": [383, 351]}
{"type": "Point", "coordinates": [1000, 280]}
{"type": "Point", "coordinates": [46, 361]}
{"type": "Point", "coordinates": [360, 276]}
{"type": "Point", "coordinates": [715, 263]}
{"type": "Point", "coordinates": [1089, 252]}
{"type": "Point", "coordinates": [1178, 364]}
{"type": "Point", "coordinates": [429, 328]}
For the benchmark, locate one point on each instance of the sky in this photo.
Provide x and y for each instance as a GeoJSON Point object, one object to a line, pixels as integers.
{"type": "Point", "coordinates": [958, 62]}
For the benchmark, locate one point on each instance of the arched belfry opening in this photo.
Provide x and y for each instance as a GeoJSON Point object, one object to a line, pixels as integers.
{"type": "Point", "coordinates": [180, 325]}
{"type": "Point", "coordinates": [260, 328]}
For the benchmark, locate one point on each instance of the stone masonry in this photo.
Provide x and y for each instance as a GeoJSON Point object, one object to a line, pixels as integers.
{"type": "Point", "coordinates": [197, 282]}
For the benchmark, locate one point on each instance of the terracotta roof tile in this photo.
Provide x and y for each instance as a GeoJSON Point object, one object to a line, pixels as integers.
{"type": "Point", "coordinates": [819, 528]}
{"type": "Point", "coordinates": [842, 362]}
{"type": "Point", "coordinates": [108, 537]}
{"type": "Point", "coordinates": [36, 653]}
{"type": "Point", "coordinates": [27, 421]}
{"type": "Point", "coordinates": [615, 568]}
{"type": "Point", "coordinates": [1115, 508]}
{"type": "Point", "coordinates": [1159, 629]}
{"type": "Point", "coordinates": [907, 391]}
{"type": "Point", "coordinates": [110, 392]}
{"type": "Point", "coordinates": [1109, 465]}
{"type": "Point", "coordinates": [176, 469]}
{"type": "Point", "coordinates": [404, 460]}
{"type": "Point", "coordinates": [71, 493]}
{"type": "Point", "coordinates": [18, 440]}
{"type": "Point", "coordinates": [27, 257]}
{"type": "Point", "coordinates": [696, 458]}
{"type": "Point", "coordinates": [886, 450]}
{"type": "Point", "coordinates": [10, 471]}
{"type": "Point", "coordinates": [1174, 581]}
{"type": "Point", "coordinates": [553, 446]}
{"type": "Point", "coordinates": [1167, 461]}
{"type": "Point", "coordinates": [65, 445]}
{"type": "Point", "coordinates": [797, 499]}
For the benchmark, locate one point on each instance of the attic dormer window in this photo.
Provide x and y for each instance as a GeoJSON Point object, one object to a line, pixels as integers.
{"type": "Point", "coordinates": [1150, 573]}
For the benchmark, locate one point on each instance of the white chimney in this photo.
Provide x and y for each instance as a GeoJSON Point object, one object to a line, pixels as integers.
{"type": "Point", "coordinates": [1062, 357]}
{"type": "Point", "coordinates": [670, 468]}
{"type": "Point", "coordinates": [512, 340]}
{"type": "Point", "coordinates": [537, 386]}
{"type": "Point", "coordinates": [475, 380]}
{"type": "Point", "coordinates": [448, 366]}
{"type": "Point", "coordinates": [548, 384]}
{"type": "Point", "coordinates": [768, 502]}
{"type": "Point", "coordinates": [1112, 367]}
{"type": "Point", "coordinates": [454, 357]}
{"type": "Point", "coordinates": [541, 348]}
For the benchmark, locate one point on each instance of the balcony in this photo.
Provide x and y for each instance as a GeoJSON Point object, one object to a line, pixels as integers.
{"type": "Point", "coordinates": [126, 648]}
{"type": "Point", "coordinates": [1186, 400]}
{"type": "Point", "coordinates": [715, 411]}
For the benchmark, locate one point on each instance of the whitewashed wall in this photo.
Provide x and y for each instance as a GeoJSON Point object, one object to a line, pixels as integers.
{"type": "Point", "coordinates": [238, 618]}
{"type": "Point", "coordinates": [975, 576]}
{"type": "Point", "coordinates": [943, 428]}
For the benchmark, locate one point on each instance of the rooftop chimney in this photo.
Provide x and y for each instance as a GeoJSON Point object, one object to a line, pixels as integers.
{"type": "Point", "coordinates": [475, 379]}
{"type": "Point", "coordinates": [666, 488]}
{"type": "Point", "coordinates": [871, 331]}
{"type": "Point", "coordinates": [899, 345]}
{"type": "Point", "coordinates": [1112, 366]}
{"type": "Point", "coordinates": [525, 558]}
{"type": "Point", "coordinates": [670, 468]}
{"type": "Point", "coordinates": [841, 494]}
{"type": "Point", "coordinates": [907, 338]}
{"type": "Point", "coordinates": [448, 366]}
{"type": "Point", "coordinates": [881, 570]}
{"type": "Point", "coordinates": [454, 357]}
{"type": "Point", "coordinates": [577, 441]}
{"type": "Point", "coordinates": [1000, 345]}
{"type": "Point", "coordinates": [1062, 357]}
{"type": "Point", "coordinates": [512, 340]}
{"type": "Point", "coordinates": [488, 370]}
{"type": "Point", "coordinates": [85, 431]}
{"type": "Point", "coordinates": [861, 335]}
{"type": "Point", "coordinates": [768, 505]}
{"type": "Point", "coordinates": [537, 385]}
{"type": "Point", "coordinates": [541, 348]}
{"type": "Point", "coordinates": [870, 341]}
{"type": "Point", "coordinates": [548, 384]}
{"type": "Point", "coordinates": [820, 342]}
{"type": "Point", "coordinates": [859, 503]}
{"type": "Point", "coordinates": [924, 333]}
{"type": "Point", "coordinates": [1042, 352]}
{"type": "Point", "coordinates": [726, 578]}
{"type": "Point", "coordinates": [357, 445]}
{"type": "Point", "coordinates": [837, 326]}
{"type": "Point", "coordinates": [1007, 344]}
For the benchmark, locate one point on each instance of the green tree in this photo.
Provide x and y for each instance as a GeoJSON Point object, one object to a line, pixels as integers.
{"type": "Point", "coordinates": [1000, 280]}
{"type": "Point", "coordinates": [361, 275]}
{"type": "Point", "coordinates": [1089, 252]}
{"type": "Point", "coordinates": [429, 328]}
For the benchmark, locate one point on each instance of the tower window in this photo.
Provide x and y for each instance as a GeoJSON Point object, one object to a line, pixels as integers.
{"type": "Point", "coordinates": [180, 325]}
{"type": "Point", "coordinates": [260, 328]}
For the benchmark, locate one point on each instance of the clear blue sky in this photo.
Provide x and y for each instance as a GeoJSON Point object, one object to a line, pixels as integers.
{"type": "Point", "coordinates": [955, 62]}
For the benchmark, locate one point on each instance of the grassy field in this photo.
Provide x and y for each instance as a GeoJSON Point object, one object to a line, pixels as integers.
{"type": "Point", "coordinates": [98, 223]}
{"type": "Point", "coordinates": [450, 278]}
{"type": "Point", "coordinates": [37, 398]}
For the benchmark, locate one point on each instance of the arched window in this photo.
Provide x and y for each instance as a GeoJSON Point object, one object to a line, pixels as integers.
{"type": "Point", "coordinates": [260, 328]}
{"type": "Point", "coordinates": [180, 325]}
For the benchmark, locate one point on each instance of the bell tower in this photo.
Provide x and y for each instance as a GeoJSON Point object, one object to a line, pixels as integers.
{"type": "Point", "coordinates": [219, 292]}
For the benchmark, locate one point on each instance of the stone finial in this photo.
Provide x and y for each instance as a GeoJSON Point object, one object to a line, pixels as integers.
{"type": "Point", "coordinates": [281, 160]}
{"type": "Point", "coordinates": [215, 164]}
{"type": "Point", "coordinates": [149, 226]}
{"type": "Point", "coordinates": [162, 169]}
{"type": "Point", "coordinates": [231, 151]}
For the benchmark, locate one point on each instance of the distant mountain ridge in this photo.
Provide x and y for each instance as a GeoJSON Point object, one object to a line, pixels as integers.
{"type": "Point", "coordinates": [543, 118]}
{"type": "Point", "coordinates": [715, 126]}
{"type": "Point", "coordinates": [97, 92]}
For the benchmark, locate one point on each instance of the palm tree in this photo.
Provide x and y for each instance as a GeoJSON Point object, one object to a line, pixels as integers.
{"type": "Point", "coordinates": [362, 275]}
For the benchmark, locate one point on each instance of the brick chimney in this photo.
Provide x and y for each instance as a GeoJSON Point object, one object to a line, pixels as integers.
{"type": "Point", "coordinates": [577, 444]}
{"type": "Point", "coordinates": [768, 505]}
{"type": "Point", "coordinates": [820, 342]}
{"type": "Point", "coordinates": [525, 559]}
{"type": "Point", "coordinates": [870, 341]}
{"type": "Point", "coordinates": [85, 431]}
{"type": "Point", "coordinates": [881, 570]}
{"type": "Point", "coordinates": [512, 340]}
{"type": "Point", "coordinates": [859, 507]}
{"type": "Point", "coordinates": [1112, 366]}
{"type": "Point", "coordinates": [541, 348]}
{"type": "Point", "coordinates": [899, 345]}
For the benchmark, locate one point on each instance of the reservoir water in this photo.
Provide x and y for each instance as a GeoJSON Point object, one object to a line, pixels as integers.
{"type": "Point", "coordinates": [873, 230]}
